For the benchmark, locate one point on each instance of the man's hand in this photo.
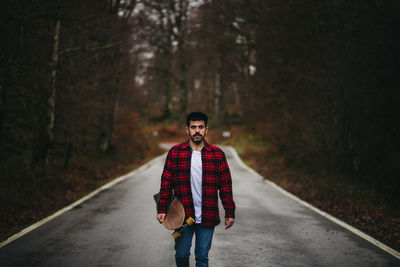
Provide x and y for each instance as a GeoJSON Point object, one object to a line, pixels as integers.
{"type": "Point", "coordinates": [161, 217]}
{"type": "Point", "coordinates": [229, 222]}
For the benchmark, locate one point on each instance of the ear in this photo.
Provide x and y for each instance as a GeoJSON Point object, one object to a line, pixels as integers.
{"type": "Point", "coordinates": [187, 130]}
{"type": "Point", "coordinates": [206, 131]}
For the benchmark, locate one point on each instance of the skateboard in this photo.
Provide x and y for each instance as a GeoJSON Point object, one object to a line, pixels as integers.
{"type": "Point", "coordinates": [175, 217]}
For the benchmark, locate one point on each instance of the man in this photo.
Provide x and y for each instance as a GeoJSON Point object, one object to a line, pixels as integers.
{"type": "Point", "coordinates": [196, 171]}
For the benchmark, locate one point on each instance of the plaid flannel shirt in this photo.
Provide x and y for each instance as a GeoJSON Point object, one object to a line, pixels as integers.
{"type": "Point", "coordinates": [216, 177]}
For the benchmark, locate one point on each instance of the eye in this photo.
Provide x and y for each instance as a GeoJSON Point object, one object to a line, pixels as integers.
{"type": "Point", "coordinates": [201, 127]}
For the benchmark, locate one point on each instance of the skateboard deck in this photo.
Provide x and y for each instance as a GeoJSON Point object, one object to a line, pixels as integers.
{"type": "Point", "coordinates": [175, 217]}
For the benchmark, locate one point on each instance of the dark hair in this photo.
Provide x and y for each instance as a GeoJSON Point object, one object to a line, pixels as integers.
{"type": "Point", "coordinates": [196, 116]}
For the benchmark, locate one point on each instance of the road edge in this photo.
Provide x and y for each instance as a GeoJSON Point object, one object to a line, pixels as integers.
{"type": "Point", "coordinates": [317, 210]}
{"type": "Point", "coordinates": [78, 202]}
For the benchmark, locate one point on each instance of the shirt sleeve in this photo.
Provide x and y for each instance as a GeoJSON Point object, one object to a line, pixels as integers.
{"type": "Point", "coordinates": [225, 188]}
{"type": "Point", "coordinates": [166, 184]}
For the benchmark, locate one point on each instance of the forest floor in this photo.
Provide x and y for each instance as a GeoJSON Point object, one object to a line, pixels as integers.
{"type": "Point", "coordinates": [358, 204]}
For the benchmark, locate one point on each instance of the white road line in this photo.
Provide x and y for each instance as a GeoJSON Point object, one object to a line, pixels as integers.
{"type": "Point", "coordinates": [80, 201]}
{"type": "Point", "coordinates": [308, 205]}
{"type": "Point", "coordinates": [241, 163]}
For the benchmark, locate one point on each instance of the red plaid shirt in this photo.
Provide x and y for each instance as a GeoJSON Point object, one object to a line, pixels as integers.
{"type": "Point", "coordinates": [216, 176]}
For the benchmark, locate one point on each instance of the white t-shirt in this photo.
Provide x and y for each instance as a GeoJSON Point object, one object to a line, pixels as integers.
{"type": "Point", "coordinates": [196, 174]}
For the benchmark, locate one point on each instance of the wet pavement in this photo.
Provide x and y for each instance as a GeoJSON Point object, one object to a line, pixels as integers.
{"type": "Point", "coordinates": [118, 227]}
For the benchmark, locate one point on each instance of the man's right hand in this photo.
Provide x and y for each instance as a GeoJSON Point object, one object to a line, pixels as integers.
{"type": "Point", "coordinates": [161, 217]}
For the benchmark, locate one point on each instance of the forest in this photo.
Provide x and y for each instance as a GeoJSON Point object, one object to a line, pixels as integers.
{"type": "Point", "coordinates": [307, 86]}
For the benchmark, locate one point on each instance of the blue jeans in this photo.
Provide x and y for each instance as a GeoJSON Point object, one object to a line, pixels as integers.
{"type": "Point", "coordinates": [203, 244]}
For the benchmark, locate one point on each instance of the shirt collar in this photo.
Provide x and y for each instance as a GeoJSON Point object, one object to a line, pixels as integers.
{"type": "Point", "coordinates": [206, 145]}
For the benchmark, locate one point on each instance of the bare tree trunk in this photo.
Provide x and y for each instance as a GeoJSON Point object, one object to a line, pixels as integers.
{"type": "Point", "coordinates": [52, 97]}
{"type": "Point", "coordinates": [217, 95]}
{"type": "Point", "coordinates": [167, 93]}
{"type": "Point", "coordinates": [181, 19]}
{"type": "Point", "coordinates": [3, 99]}
{"type": "Point", "coordinates": [114, 103]}
{"type": "Point", "coordinates": [2, 111]}
{"type": "Point", "coordinates": [184, 93]}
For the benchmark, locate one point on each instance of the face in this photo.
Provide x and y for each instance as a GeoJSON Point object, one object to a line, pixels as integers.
{"type": "Point", "coordinates": [197, 131]}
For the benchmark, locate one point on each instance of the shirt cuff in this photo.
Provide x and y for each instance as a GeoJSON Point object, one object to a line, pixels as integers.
{"type": "Point", "coordinates": [161, 210]}
{"type": "Point", "coordinates": [230, 213]}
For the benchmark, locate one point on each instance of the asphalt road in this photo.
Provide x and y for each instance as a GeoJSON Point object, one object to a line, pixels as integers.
{"type": "Point", "coordinates": [118, 227]}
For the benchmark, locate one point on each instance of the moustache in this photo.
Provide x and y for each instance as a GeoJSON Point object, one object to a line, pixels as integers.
{"type": "Point", "coordinates": [197, 135]}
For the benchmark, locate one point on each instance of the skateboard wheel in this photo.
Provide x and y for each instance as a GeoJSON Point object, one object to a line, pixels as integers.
{"type": "Point", "coordinates": [176, 235]}
{"type": "Point", "coordinates": [190, 221]}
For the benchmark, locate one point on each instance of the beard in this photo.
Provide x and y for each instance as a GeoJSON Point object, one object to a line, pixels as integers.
{"type": "Point", "coordinates": [197, 141]}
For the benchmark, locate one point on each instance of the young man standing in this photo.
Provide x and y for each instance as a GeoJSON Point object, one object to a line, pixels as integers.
{"type": "Point", "coordinates": [196, 171]}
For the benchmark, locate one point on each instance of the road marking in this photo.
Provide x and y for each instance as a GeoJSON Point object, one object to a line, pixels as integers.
{"type": "Point", "coordinates": [324, 214]}
{"type": "Point", "coordinates": [242, 164]}
{"type": "Point", "coordinates": [80, 201]}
